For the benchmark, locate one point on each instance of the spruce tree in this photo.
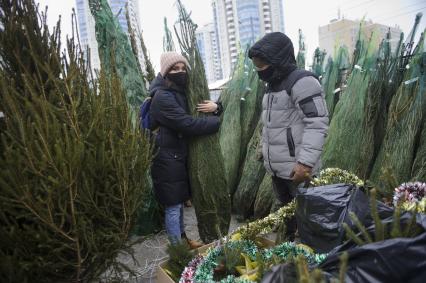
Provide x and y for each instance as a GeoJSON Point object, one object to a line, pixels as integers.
{"type": "Point", "coordinates": [168, 44]}
{"type": "Point", "coordinates": [71, 163]}
{"type": "Point", "coordinates": [211, 199]}
{"type": "Point", "coordinates": [116, 55]}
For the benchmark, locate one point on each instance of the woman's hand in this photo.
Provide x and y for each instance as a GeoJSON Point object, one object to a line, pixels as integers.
{"type": "Point", "coordinates": [207, 106]}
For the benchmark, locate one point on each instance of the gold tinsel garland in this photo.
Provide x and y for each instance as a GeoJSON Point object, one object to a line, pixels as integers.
{"type": "Point", "coordinates": [330, 176]}
{"type": "Point", "coordinates": [265, 225]}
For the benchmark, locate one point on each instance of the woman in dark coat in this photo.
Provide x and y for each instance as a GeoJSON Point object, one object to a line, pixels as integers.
{"type": "Point", "coordinates": [173, 125]}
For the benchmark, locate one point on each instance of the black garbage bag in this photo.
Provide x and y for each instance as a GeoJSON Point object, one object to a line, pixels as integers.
{"type": "Point", "coordinates": [281, 273]}
{"type": "Point", "coordinates": [393, 260]}
{"type": "Point", "coordinates": [321, 211]}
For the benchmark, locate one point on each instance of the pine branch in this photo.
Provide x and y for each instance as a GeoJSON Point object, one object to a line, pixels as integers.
{"type": "Point", "coordinates": [379, 228]}
{"type": "Point", "coordinates": [302, 269]}
{"type": "Point", "coordinates": [150, 73]}
{"type": "Point", "coordinates": [343, 266]}
{"type": "Point", "coordinates": [396, 225]}
{"type": "Point", "coordinates": [180, 255]}
{"type": "Point", "coordinates": [168, 44]}
{"type": "Point", "coordinates": [360, 227]}
{"type": "Point", "coordinates": [351, 235]}
{"type": "Point", "coordinates": [411, 229]}
{"type": "Point", "coordinates": [317, 276]}
{"type": "Point", "coordinates": [306, 276]}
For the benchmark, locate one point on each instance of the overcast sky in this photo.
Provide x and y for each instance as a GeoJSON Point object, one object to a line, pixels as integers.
{"type": "Point", "coordinates": [303, 14]}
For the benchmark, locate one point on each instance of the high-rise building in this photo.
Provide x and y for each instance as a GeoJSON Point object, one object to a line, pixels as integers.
{"type": "Point", "coordinates": [239, 23]}
{"type": "Point", "coordinates": [223, 16]}
{"type": "Point", "coordinates": [249, 27]}
{"type": "Point", "coordinates": [276, 9]}
{"type": "Point", "coordinates": [86, 27]}
{"type": "Point", "coordinates": [345, 32]}
{"type": "Point", "coordinates": [86, 24]}
{"type": "Point", "coordinates": [209, 51]}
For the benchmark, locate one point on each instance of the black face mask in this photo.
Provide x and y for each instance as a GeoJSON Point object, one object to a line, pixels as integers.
{"type": "Point", "coordinates": [266, 75]}
{"type": "Point", "coordinates": [180, 78]}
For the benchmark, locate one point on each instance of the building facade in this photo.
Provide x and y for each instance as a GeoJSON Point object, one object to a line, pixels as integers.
{"type": "Point", "coordinates": [86, 25]}
{"type": "Point", "coordinates": [239, 23]}
{"type": "Point", "coordinates": [345, 32]}
{"type": "Point", "coordinates": [86, 29]}
{"type": "Point", "coordinates": [209, 51]}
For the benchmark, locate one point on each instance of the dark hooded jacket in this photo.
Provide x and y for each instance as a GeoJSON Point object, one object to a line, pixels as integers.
{"type": "Point", "coordinates": [276, 49]}
{"type": "Point", "coordinates": [294, 116]}
{"type": "Point", "coordinates": [173, 125]}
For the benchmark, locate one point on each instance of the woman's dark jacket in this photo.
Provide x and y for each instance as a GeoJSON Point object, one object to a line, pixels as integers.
{"type": "Point", "coordinates": [172, 125]}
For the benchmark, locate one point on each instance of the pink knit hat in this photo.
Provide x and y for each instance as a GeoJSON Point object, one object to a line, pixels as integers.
{"type": "Point", "coordinates": [168, 59]}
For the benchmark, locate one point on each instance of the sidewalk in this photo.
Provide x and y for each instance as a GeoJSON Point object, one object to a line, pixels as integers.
{"type": "Point", "coordinates": [152, 251]}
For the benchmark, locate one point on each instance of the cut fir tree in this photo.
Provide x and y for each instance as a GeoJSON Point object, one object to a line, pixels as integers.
{"type": "Point", "coordinates": [211, 199]}
{"type": "Point", "coordinates": [71, 165]}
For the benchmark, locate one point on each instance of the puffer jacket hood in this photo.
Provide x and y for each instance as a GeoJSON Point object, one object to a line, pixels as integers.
{"type": "Point", "coordinates": [276, 49]}
{"type": "Point", "coordinates": [158, 83]}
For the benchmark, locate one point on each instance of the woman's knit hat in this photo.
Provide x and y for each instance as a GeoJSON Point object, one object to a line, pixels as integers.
{"type": "Point", "coordinates": [168, 59]}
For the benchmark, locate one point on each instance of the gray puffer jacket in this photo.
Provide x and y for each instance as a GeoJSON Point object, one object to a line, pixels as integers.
{"type": "Point", "coordinates": [295, 126]}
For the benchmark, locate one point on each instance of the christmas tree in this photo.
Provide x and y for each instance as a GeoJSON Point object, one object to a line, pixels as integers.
{"type": "Point", "coordinates": [72, 164]}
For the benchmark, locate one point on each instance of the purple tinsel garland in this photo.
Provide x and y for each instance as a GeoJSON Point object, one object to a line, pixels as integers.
{"type": "Point", "coordinates": [409, 192]}
{"type": "Point", "coordinates": [189, 271]}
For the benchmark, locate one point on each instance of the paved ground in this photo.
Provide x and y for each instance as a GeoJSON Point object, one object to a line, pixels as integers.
{"type": "Point", "coordinates": [152, 251]}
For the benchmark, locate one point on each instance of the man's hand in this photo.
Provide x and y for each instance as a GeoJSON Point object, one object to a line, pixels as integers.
{"type": "Point", "coordinates": [301, 173]}
{"type": "Point", "coordinates": [207, 106]}
{"type": "Point", "coordinates": [259, 154]}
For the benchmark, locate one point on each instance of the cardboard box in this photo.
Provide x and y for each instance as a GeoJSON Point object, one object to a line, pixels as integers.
{"type": "Point", "coordinates": [163, 277]}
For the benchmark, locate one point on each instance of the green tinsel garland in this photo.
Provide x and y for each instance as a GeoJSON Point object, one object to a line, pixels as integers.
{"type": "Point", "coordinates": [204, 272]}
{"type": "Point", "coordinates": [284, 251]}
{"type": "Point", "coordinates": [288, 249]}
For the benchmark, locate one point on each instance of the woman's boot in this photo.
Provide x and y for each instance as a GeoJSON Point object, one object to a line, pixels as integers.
{"type": "Point", "coordinates": [193, 244]}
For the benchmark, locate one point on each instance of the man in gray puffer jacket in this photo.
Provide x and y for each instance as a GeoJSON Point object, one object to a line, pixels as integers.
{"type": "Point", "coordinates": [295, 117]}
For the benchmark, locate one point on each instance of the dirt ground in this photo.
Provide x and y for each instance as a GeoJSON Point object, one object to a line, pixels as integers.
{"type": "Point", "coordinates": [152, 251]}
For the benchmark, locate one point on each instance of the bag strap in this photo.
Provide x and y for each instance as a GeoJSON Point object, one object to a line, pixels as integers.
{"type": "Point", "coordinates": [296, 75]}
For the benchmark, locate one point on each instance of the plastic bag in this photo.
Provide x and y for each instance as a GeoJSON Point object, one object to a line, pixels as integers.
{"type": "Point", "coordinates": [321, 211]}
{"type": "Point", "coordinates": [281, 273]}
{"type": "Point", "coordinates": [393, 260]}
